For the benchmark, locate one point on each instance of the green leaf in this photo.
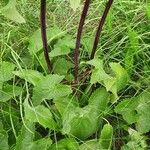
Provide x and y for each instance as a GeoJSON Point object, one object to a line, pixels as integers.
{"type": "Point", "coordinates": [9, 91]}
{"type": "Point", "coordinates": [10, 12]}
{"type": "Point", "coordinates": [143, 123]}
{"type": "Point", "coordinates": [6, 69]}
{"type": "Point", "coordinates": [106, 137]}
{"type": "Point", "coordinates": [77, 122]}
{"type": "Point", "coordinates": [41, 144]}
{"type": "Point", "coordinates": [59, 51]}
{"type": "Point", "coordinates": [98, 73]}
{"type": "Point", "coordinates": [127, 108]}
{"type": "Point", "coordinates": [112, 84]}
{"type": "Point", "coordinates": [63, 46]}
{"type": "Point", "coordinates": [87, 42]}
{"type": "Point", "coordinates": [137, 141]}
{"type": "Point", "coordinates": [35, 41]}
{"type": "Point", "coordinates": [65, 144]}
{"type": "Point", "coordinates": [90, 145]}
{"type": "Point", "coordinates": [120, 74]}
{"type": "Point", "coordinates": [39, 114]}
{"type": "Point", "coordinates": [31, 76]}
{"type": "Point", "coordinates": [62, 63]}
{"type": "Point", "coordinates": [26, 136]}
{"type": "Point", "coordinates": [3, 138]}
{"type": "Point", "coordinates": [49, 88]}
{"type": "Point", "coordinates": [74, 4]}
{"type": "Point", "coordinates": [64, 104]}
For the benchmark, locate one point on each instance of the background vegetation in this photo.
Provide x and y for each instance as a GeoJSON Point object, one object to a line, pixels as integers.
{"type": "Point", "coordinates": [29, 120]}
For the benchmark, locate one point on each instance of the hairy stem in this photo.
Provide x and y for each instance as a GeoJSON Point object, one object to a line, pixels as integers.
{"type": "Point", "coordinates": [78, 39]}
{"type": "Point", "coordinates": [44, 35]}
{"type": "Point", "coordinates": [100, 27]}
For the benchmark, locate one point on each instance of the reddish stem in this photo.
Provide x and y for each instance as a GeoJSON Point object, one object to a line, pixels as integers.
{"type": "Point", "coordinates": [44, 35]}
{"type": "Point", "coordinates": [78, 39]}
{"type": "Point", "coordinates": [100, 27]}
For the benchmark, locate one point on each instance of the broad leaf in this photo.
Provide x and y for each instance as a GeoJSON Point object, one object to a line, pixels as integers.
{"type": "Point", "coordinates": [65, 144]}
{"type": "Point", "coordinates": [113, 83]}
{"type": "Point", "coordinates": [10, 12]}
{"type": "Point", "coordinates": [137, 141]}
{"type": "Point", "coordinates": [106, 137]}
{"type": "Point", "coordinates": [62, 63]}
{"type": "Point", "coordinates": [9, 91]}
{"type": "Point", "coordinates": [26, 136]}
{"type": "Point", "coordinates": [143, 123]}
{"type": "Point", "coordinates": [120, 74]}
{"type": "Point", "coordinates": [39, 114]}
{"type": "Point", "coordinates": [49, 88]}
{"type": "Point", "coordinates": [77, 122]}
{"type": "Point", "coordinates": [41, 144]}
{"type": "Point", "coordinates": [63, 46]}
{"type": "Point", "coordinates": [90, 145]}
{"type": "Point", "coordinates": [35, 41]}
{"type": "Point", "coordinates": [3, 138]}
{"type": "Point", "coordinates": [32, 76]}
{"type": "Point", "coordinates": [127, 108]}
{"type": "Point", "coordinates": [6, 69]}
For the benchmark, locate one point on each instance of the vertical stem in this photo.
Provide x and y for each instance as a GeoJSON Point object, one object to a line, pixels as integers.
{"type": "Point", "coordinates": [44, 35]}
{"type": "Point", "coordinates": [100, 27]}
{"type": "Point", "coordinates": [78, 39]}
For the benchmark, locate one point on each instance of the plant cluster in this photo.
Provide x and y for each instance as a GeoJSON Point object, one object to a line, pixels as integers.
{"type": "Point", "coordinates": [69, 102]}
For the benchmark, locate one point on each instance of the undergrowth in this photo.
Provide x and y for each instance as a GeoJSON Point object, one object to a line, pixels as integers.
{"type": "Point", "coordinates": [101, 104]}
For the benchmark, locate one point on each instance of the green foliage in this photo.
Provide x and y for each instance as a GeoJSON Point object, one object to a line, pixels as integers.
{"type": "Point", "coordinates": [88, 145]}
{"type": "Point", "coordinates": [11, 12]}
{"type": "Point", "coordinates": [45, 87]}
{"type": "Point", "coordinates": [47, 111]}
{"type": "Point", "coordinates": [67, 143]}
{"type": "Point", "coordinates": [25, 137]}
{"type": "Point", "coordinates": [136, 141]}
{"type": "Point", "coordinates": [77, 122]}
{"type": "Point", "coordinates": [104, 142]}
{"type": "Point", "coordinates": [132, 50]}
{"type": "Point", "coordinates": [9, 91]}
{"type": "Point", "coordinates": [3, 138]}
{"type": "Point", "coordinates": [6, 69]}
{"type": "Point", "coordinates": [74, 4]}
{"type": "Point", "coordinates": [113, 83]}
{"type": "Point", "coordinates": [136, 110]}
{"type": "Point", "coordinates": [39, 114]}
{"type": "Point", "coordinates": [35, 41]}
{"type": "Point", "coordinates": [106, 137]}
